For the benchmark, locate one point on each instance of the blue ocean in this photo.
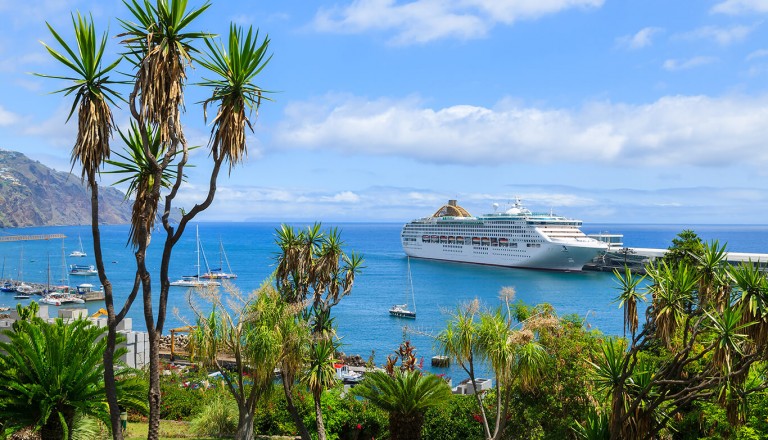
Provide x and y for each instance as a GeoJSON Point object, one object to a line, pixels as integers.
{"type": "Point", "coordinates": [362, 318]}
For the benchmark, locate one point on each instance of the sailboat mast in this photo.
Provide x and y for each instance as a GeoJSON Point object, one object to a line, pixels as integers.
{"type": "Point", "coordinates": [410, 281]}
{"type": "Point", "coordinates": [197, 238]}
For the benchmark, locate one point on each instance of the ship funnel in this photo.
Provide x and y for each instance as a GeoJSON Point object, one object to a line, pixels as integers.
{"type": "Point", "coordinates": [452, 202]}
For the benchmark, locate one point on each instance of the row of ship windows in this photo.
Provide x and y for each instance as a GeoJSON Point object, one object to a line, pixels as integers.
{"type": "Point", "coordinates": [482, 241]}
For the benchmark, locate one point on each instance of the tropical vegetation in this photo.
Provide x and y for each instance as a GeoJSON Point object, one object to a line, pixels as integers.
{"type": "Point", "coordinates": [159, 46]}
{"type": "Point", "coordinates": [52, 377]}
{"type": "Point", "coordinates": [693, 363]}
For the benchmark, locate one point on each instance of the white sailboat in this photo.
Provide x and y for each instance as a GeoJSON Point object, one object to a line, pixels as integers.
{"type": "Point", "coordinates": [80, 252]}
{"type": "Point", "coordinates": [194, 280]}
{"type": "Point", "coordinates": [23, 290]}
{"type": "Point", "coordinates": [402, 310]}
{"type": "Point", "coordinates": [219, 273]}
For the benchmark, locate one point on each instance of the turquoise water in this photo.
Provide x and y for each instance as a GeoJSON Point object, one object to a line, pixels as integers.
{"type": "Point", "coordinates": [362, 318]}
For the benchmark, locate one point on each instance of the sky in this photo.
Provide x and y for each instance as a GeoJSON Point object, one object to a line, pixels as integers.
{"type": "Point", "coordinates": [631, 111]}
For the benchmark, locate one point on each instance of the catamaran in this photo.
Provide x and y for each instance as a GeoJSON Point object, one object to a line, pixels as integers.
{"type": "Point", "coordinates": [194, 280]}
{"type": "Point", "coordinates": [80, 252]}
{"type": "Point", "coordinates": [219, 273]}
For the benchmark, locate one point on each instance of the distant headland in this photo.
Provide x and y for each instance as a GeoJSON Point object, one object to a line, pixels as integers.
{"type": "Point", "coordinates": [32, 194]}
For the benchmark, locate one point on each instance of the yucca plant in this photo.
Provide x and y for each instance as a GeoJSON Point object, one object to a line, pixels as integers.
{"type": "Point", "coordinates": [595, 427]}
{"type": "Point", "coordinates": [709, 265]}
{"type": "Point", "coordinates": [234, 90]}
{"type": "Point", "coordinates": [628, 297]}
{"type": "Point", "coordinates": [320, 375]}
{"type": "Point", "coordinates": [610, 377]}
{"type": "Point", "coordinates": [673, 293]}
{"type": "Point", "coordinates": [753, 286]}
{"type": "Point", "coordinates": [161, 49]}
{"type": "Point", "coordinates": [92, 92]}
{"type": "Point", "coordinates": [141, 171]}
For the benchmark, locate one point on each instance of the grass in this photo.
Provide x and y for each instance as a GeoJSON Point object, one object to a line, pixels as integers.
{"type": "Point", "coordinates": [169, 429]}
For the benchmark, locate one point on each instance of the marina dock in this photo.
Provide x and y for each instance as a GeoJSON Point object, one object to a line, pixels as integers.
{"type": "Point", "coordinates": [637, 258]}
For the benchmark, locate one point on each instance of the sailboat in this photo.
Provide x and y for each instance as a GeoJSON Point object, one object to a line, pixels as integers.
{"type": "Point", "coordinates": [7, 286]}
{"type": "Point", "coordinates": [219, 273]}
{"type": "Point", "coordinates": [194, 280]}
{"type": "Point", "coordinates": [23, 290]}
{"type": "Point", "coordinates": [81, 252]}
{"type": "Point", "coordinates": [401, 310]}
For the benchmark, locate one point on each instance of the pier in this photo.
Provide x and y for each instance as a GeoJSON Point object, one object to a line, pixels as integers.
{"type": "Point", "coordinates": [637, 258]}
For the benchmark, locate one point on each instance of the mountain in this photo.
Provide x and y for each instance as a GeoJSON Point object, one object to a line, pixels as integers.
{"type": "Point", "coordinates": [32, 194]}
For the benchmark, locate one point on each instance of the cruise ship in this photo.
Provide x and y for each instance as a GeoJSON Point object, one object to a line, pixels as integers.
{"type": "Point", "coordinates": [515, 237]}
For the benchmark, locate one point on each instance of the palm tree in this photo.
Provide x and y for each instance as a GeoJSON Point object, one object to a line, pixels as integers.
{"type": "Point", "coordinates": [406, 396]}
{"type": "Point", "coordinates": [672, 296]}
{"type": "Point", "coordinates": [161, 49]}
{"type": "Point", "coordinates": [629, 297]}
{"type": "Point", "coordinates": [753, 286]}
{"type": "Point", "coordinates": [234, 90]}
{"type": "Point", "coordinates": [51, 373]}
{"type": "Point", "coordinates": [610, 377]}
{"type": "Point", "coordinates": [136, 164]}
{"type": "Point", "coordinates": [320, 375]}
{"type": "Point", "coordinates": [93, 94]}
{"type": "Point", "coordinates": [709, 264]}
{"type": "Point", "coordinates": [312, 268]}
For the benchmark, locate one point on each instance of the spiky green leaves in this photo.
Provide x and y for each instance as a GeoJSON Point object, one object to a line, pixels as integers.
{"type": "Point", "coordinates": [161, 49]}
{"type": "Point", "coordinates": [141, 172]}
{"type": "Point", "coordinates": [236, 67]}
{"type": "Point", "coordinates": [91, 87]}
{"type": "Point", "coordinates": [51, 372]}
{"type": "Point", "coordinates": [629, 296]}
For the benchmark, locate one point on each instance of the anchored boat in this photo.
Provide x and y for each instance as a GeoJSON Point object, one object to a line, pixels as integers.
{"type": "Point", "coordinates": [514, 237]}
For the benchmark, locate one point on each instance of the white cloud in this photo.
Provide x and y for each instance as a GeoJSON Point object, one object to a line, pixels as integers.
{"type": "Point", "coordinates": [672, 131]}
{"type": "Point", "coordinates": [722, 36]}
{"type": "Point", "coordinates": [643, 38]}
{"type": "Point", "coordinates": [760, 53]}
{"type": "Point", "coordinates": [674, 65]}
{"type": "Point", "coordinates": [734, 7]}
{"type": "Point", "coordinates": [7, 117]}
{"type": "Point", "coordinates": [422, 21]}
{"type": "Point", "coordinates": [680, 205]}
{"type": "Point", "coordinates": [343, 197]}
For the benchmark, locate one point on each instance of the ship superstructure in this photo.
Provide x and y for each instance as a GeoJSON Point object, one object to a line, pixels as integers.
{"type": "Point", "coordinates": [515, 237]}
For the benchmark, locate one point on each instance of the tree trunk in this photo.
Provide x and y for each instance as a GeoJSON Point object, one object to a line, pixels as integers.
{"type": "Point", "coordinates": [405, 426]}
{"type": "Point", "coordinates": [110, 388]}
{"type": "Point", "coordinates": [53, 429]}
{"type": "Point", "coordinates": [292, 410]}
{"type": "Point", "coordinates": [319, 417]}
{"type": "Point", "coordinates": [109, 382]}
{"type": "Point", "coordinates": [244, 425]}
{"type": "Point", "coordinates": [154, 386]}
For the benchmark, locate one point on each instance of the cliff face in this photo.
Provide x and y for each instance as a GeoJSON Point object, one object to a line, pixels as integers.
{"type": "Point", "coordinates": [32, 194]}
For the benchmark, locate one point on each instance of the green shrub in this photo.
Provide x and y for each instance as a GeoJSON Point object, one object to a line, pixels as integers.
{"type": "Point", "coordinates": [218, 417]}
{"type": "Point", "coordinates": [453, 421]}
{"type": "Point", "coordinates": [272, 416]}
{"type": "Point", "coordinates": [180, 402]}
{"type": "Point", "coordinates": [347, 418]}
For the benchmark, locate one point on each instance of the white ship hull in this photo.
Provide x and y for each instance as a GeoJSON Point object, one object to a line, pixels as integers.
{"type": "Point", "coordinates": [514, 238]}
{"type": "Point", "coordinates": [550, 257]}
